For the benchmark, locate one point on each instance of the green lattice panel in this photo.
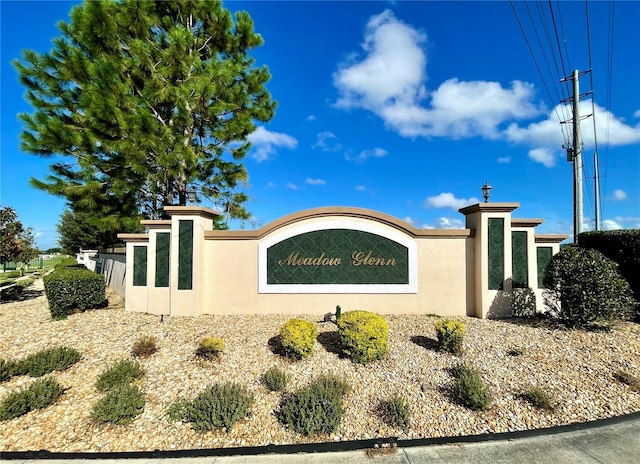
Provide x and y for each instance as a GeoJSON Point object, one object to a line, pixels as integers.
{"type": "Point", "coordinates": [139, 266]}
{"type": "Point", "coordinates": [162, 259]}
{"type": "Point", "coordinates": [543, 257]}
{"type": "Point", "coordinates": [496, 253]}
{"type": "Point", "coordinates": [519, 259]}
{"type": "Point", "coordinates": [334, 244]}
{"type": "Point", "coordinates": [185, 255]}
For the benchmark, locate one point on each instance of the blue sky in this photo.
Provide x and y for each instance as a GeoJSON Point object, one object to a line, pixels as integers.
{"type": "Point", "coordinates": [403, 107]}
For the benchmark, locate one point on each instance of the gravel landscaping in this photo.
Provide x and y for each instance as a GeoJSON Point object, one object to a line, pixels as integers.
{"type": "Point", "coordinates": [576, 367]}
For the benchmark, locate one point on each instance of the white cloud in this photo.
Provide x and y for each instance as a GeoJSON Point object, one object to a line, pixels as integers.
{"type": "Point", "coordinates": [636, 114]}
{"type": "Point", "coordinates": [361, 188]}
{"type": "Point", "coordinates": [265, 143]}
{"type": "Point", "coordinates": [619, 195]}
{"type": "Point", "coordinates": [365, 154]}
{"type": "Point", "coordinates": [504, 160]}
{"type": "Point", "coordinates": [410, 220]}
{"type": "Point", "coordinates": [271, 184]}
{"type": "Point", "coordinates": [315, 181]}
{"type": "Point", "coordinates": [446, 223]}
{"type": "Point", "coordinates": [389, 78]}
{"type": "Point", "coordinates": [327, 141]}
{"type": "Point", "coordinates": [292, 186]}
{"type": "Point", "coordinates": [610, 224]}
{"type": "Point", "coordinates": [311, 117]}
{"type": "Point", "coordinates": [390, 81]}
{"type": "Point", "coordinates": [544, 156]}
{"type": "Point", "coordinates": [448, 200]}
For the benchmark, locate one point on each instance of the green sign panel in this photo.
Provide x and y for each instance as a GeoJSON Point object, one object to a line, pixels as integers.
{"type": "Point", "coordinates": [337, 256]}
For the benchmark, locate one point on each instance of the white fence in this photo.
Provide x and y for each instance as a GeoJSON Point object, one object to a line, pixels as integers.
{"type": "Point", "coordinates": [110, 263]}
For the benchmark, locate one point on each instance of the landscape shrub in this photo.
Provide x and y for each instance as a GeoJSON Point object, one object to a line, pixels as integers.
{"type": "Point", "coordinates": [450, 335]}
{"type": "Point", "coordinates": [9, 368]}
{"type": "Point", "coordinates": [469, 389]}
{"type": "Point", "coordinates": [120, 374]}
{"type": "Point", "coordinates": [539, 398]}
{"type": "Point", "coordinates": [11, 293]}
{"type": "Point", "coordinates": [583, 286]}
{"type": "Point", "coordinates": [38, 395]}
{"type": "Point", "coordinates": [395, 411]}
{"type": "Point", "coordinates": [523, 303]}
{"type": "Point", "coordinates": [363, 336]}
{"type": "Point", "coordinates": [49, 360]}
{"type": "Point", "coordinates": [275, 379]}
{"type": "Point", "coordinates": [11, 274]}
{"type": "Point", "coordinates": [210, 347]}
{"type": "Point", "coordinates": [298, 338]}
{"type": "Point", "coordinates": [623, 247]}
{"type": "Point", "coordinates": [121, 405]}
{"type": "Point", "coordinates": [144, 346]}
{"type": "Point", "coordinates": [315, 408]}
{"type": "Point", "coordinates": [69, 289]}
{"type": "Point", "coordinates": [220, 405]}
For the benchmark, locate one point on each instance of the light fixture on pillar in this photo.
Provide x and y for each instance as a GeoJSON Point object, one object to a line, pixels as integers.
{"type": "Point", "coordinates": [191, 195]}
{"type": "Point", "coordinates": [486, 191]}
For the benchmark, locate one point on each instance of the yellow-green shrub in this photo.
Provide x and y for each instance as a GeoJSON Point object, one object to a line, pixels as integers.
{"type": "Point", "coordinates": [298, 338]}
{"type": "Point", "coordinates": [210, 347]}
{"type": "Point", "coordinates": [363, 336]}
{"type": "Point", "coordinates": [450, 335]}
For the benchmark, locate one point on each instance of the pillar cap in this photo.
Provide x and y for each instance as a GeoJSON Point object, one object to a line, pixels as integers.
{"type": "Point", "coordinates": [489, 208]}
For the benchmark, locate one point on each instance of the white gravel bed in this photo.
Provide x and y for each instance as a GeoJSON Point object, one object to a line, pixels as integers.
{"type": "Point", "coordinates": [575, 366]}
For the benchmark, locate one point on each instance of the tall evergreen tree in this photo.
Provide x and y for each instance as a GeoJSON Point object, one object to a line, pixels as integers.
{"type": "Point", "coordinates": [140, 102]}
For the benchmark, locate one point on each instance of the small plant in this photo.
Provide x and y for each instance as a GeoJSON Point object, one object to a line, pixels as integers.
{"type": "Point", "coordinates": [515, 351]}
{"type": "Point", "coordinates": [210, 347]}
{"type": "Point", "coordinates": [628, 379]}
{"type": "Point", "coordinates": [120, 374]}
{"type": "Point", "coordinates": [9, 368]}
{"type": "Point", "coordinates": [315, 408]}
{"type": "Point", "coordinates": [120, 405]}
{"type": "Point", "coordinates": [144, 346]}
{"type": "Point", "coordinates": [49, 360]}
{"type": "Point", "coordinates": [395, 411]}
{"type": "Point", "coordinates": [298, 338]}
{"type": "Point", "coordinates": [469, 389]}
{"type": "Point", "coordinates": [220, 405]}
{"type": "Point", "coordinates": [363, 336]}
{"type": "Point", "coordinates": [539, 398]}
{"type": "Point", "coordinates": [450, 335]}
{"type": "Point", "coordinates": [38, 395]}
{"type": "Point", "coordinates": [338, 312]}
{"type": "Point", "coordinates": [275, 379]}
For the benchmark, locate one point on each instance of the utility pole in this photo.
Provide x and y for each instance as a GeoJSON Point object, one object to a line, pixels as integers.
{"type": "Point", "coordinates": [574, 155]}
{"type": "Point", "coordinates": [596, 187]}
{"type": "Point", "coordinates": [578, 213]}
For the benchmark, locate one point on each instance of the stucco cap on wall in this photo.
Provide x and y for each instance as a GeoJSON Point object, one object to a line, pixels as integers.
{"type": "Point", "coordinates": [550, 238]}
{"type": "Point", "coordinates": [336, 211]}
{"type": "Point", "coordinates": [134, 237]}
{"type": "Point", "coordinates": [191, 210]}
{"type": "Point", "coordinates": [156, 223]}
{"type": "Point", "coordinates": [489, 208]}
{"type": "Point", "coordinates": [519, 222]}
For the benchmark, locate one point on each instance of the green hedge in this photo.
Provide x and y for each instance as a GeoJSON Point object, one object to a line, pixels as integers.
{"type": "Point", "coordinates": [68, 289]}
{"type": "Point", "coordinates": [621, 246]}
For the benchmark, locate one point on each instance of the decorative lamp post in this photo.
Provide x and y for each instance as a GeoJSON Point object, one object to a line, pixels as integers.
{"type": "Point", "coordinates": [486, 191]}
{"type": "Point", "coordinates": [191, 195]}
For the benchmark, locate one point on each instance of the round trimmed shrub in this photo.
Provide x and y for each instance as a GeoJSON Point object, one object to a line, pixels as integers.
{"type": "Point", "coordinates": [450, 335]}
{"type": "Point", "coordinates": [298, 338]}
{"type": "Point", "coordinates": [210, 347]}
{"type": "Point", "coordinates": [583, 286]}
{"type": "Point", "coordinates": [363, 336]}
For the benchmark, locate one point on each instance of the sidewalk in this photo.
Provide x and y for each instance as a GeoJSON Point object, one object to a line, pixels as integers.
{"type": "Point", "coordinates": [616, 442]}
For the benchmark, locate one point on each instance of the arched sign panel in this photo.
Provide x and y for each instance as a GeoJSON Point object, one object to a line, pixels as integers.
{"type": "Point", "coordinates": [338, 257]}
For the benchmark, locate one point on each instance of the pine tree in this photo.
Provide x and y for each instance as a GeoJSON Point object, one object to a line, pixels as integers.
{"type": "Point", "coordinates": [140, 102]}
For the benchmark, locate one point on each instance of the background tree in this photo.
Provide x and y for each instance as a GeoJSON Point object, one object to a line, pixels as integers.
{"type": "Point", "coordinates": [143, 102]}
{"type": "Point", "coordinates": [78, 231]}
{"type": "Point", "coordinates": [16, 241]}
